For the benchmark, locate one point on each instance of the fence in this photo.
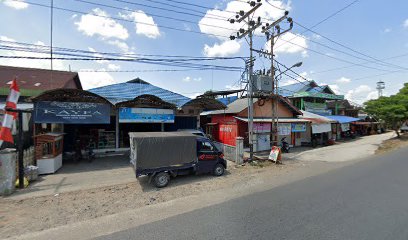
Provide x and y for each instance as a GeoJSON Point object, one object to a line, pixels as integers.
{"type": "Point", "coordinates": [232, 153]}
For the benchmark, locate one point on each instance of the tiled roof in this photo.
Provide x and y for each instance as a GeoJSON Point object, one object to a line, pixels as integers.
{"type": "Point", "coordinates": [38, 80]}
{"type": "Point", "coordinates": [129, 90]}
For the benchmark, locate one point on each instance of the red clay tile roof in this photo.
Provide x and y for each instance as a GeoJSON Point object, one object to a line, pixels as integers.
{"type": "Point", "coordinates": [38, 79]}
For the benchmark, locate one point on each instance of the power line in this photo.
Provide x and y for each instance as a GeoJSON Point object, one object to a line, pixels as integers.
{"type": "Point", "coordinates": [219, 68]}
{"type": "Point", "coordinates": [349, 48]}
{"type": "Point", "coordinates": [325, 19]}
{"type": "Point", "coordinates": [166, 9]}
{"type": "Point", "coordinates": [125, 20]}
{"type": "Point", "coordinates": [117, 54]}
{"type": "Point", "coordinates": [154, 15]}
{"type": "Point", "coordinates": [348, 66]}
{"type": "Point", "coordinates": [333, 57]}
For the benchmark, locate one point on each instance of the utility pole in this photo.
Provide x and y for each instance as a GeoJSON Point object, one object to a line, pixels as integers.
{"type": "Point", "coordinates": [251, 26]}
{"type": "Point", "coordinates": [272, 32]}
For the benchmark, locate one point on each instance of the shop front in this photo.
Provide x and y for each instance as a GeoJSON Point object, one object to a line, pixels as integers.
{"type": "Point", "coordinates": [78, 119]}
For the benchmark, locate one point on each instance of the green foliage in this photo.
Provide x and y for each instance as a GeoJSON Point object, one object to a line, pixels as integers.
{"type": "Point", "coordinates": [393, 110]}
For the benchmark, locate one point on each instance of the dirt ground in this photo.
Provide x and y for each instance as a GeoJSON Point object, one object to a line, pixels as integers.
{"type": "Point", "coordinates": [43, 212]}
{"type": "Point", "coordinates": [393, 143]}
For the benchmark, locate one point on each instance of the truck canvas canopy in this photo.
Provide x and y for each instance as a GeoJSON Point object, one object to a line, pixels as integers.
{"type": "Point", "coordinates": [150, 150]}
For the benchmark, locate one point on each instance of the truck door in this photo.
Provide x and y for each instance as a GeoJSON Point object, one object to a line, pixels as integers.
{"type": "Point", "coordinates": [207, 156]}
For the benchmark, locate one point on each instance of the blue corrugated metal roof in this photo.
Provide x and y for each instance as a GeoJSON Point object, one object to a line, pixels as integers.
{"type": "Point", "coordinates": [316, 89]}
{"type": "Point", "coordinates": [342, 119]}
{"type": "Point", "coordinates": [127, 91]}
{"type": "Point", "coordinates": [227, 100]}
{"type": "Point", "coordinates": [289, 90]}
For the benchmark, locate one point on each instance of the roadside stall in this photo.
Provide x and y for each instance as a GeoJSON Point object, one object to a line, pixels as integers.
{"type": "Point", "coordinates": [321, 129]}
{"type": "Point", "coordinates": [77, 119]}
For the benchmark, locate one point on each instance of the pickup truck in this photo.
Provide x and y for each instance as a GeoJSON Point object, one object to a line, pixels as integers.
{"type": "Point", "coordinates": [162, 155]}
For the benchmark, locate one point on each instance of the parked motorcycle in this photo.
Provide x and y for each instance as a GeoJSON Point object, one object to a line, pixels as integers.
{"type": "Point", "coordinates": [284, 145]}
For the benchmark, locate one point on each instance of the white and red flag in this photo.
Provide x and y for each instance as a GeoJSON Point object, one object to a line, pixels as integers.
{"type": "Point", "coordinates": [10, 117]}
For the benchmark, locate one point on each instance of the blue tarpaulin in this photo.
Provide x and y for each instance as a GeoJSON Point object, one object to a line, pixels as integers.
{"type": "Point", "coordinates": [342, 119]}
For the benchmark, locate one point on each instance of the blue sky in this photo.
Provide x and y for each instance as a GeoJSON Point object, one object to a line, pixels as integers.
{"type": "Point", "coordinates": [372, 29]}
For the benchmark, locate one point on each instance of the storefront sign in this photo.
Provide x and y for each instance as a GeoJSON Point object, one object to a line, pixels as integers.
{"type": "Point", "coordinates": [71, 112]}
{"type": "Point", "coordinates": [319, 95]}
{"type": "Point", "coordinates": [262, 127]}
{"type": "Point", "coordinates": [146, 115]}
{"type": "Point", "coordinates": [321, 128]}
{"type": "Point", "coordinates": [298, 127]}
{"type": "Point", "coordinates": [284, 129]}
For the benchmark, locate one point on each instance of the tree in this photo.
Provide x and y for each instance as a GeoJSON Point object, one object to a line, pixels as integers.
{"type": "Point", "coordinates": [393, 110]}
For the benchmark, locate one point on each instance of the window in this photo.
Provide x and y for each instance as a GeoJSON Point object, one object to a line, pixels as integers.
{"type": "Point", "coordinates": [206, 146]}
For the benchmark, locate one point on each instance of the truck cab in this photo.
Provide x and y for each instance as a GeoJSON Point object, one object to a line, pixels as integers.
{"type": "Point", "coordinates": [210, 159]}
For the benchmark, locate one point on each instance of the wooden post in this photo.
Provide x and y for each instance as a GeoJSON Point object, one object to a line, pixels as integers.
{"type": "Point", "coordinates": [20, 151]}
{"type": "Point", "coordinates": [20, 140]}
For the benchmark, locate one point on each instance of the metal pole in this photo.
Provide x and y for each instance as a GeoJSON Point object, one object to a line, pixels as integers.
{"type": "Point", "coordinates": [251, 100]}
{"type": "Point", "coordinates": [20, 151]}
{"type": "Point", "coordinates": [51, 33]}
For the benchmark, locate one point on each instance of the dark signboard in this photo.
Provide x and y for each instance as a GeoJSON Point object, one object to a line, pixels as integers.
{"type": "Point", "coordinates": [71, 112]}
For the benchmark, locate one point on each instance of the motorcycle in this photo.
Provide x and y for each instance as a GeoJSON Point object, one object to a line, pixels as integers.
{"type": "Point", "coordinates": [284, 145]}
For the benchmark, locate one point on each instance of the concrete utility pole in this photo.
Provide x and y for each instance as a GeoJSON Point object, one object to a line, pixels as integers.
{"type": "Point", "coordinates": [272, 32]}
{"type": "Point", "coordinates": [251, 26]}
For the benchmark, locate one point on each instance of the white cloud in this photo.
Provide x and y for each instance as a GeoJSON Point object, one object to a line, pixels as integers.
{"type": "Point", "coordinates": [289, 43]}
{"type": "Point", "coordinates": [119, 44]}
{"type": "Point", "coordinates": [103, 26]}
{"type": "Point", "coordinates": [335, 88]}
{"type": "Point", "coordinates": [30, 63]}
{"type": "Point", "coordinates": [16, 4]}
{"type": "Point", "coordinates": [113, 67]}
{"type": "Point", "coordinates": [387, 30]}
{"type": "Point", "coordinates": [194, 95]}
{"type": "Point", "coordinates": [224, 49]}
{"type": "Point", "coordinates": [316, 36]}
{"type": "Point", "coordinates": [92, 79]}
{"type": "Point", "coordinates": [360, 94]}
{"type": "Point", "coordinates": [98, 55]}
{"type": "Point", "coordinates": [406, 23]}
{"type": "Point", "coordinates": [189, 79]}
{"type": "Point", "coordinates": [372, 95]}
{"type": "Point", "coordinates": [343, 80]}
{"type": "Point", "coordinates": [232, 87]}
{"type": "Point", "coordinates": [186, 79]}
{"type": "Point", "coordinates": [144, 24]}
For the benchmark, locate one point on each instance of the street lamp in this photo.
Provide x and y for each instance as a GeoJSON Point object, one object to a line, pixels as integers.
{"type": "Point", "coordinates": [287, 69]}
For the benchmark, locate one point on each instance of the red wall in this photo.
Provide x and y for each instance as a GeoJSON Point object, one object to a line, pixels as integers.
{"type": "Point", "coordinates": [227, 128]}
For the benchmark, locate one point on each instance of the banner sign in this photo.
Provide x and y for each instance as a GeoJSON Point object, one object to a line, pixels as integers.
{"type": "Point", "coordinates": [71, 112]}
{"type": "Point", "coordinates": [284, 129]}
{"type": "Point", "coordinates": [146, 115]}
{"type": "Point", "coordinates": [298, 127]}
{"type": "Point", "coordinates": [262, 127]}
{"type": "Point", "coordinates": [319, 95]}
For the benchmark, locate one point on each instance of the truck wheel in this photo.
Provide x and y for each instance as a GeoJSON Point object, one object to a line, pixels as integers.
{"type": "Point", "coordinates": [161, 179]}
{"type": "Point", "coordinates": [218, 170]}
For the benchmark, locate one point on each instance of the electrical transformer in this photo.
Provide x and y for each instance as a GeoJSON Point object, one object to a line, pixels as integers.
{"type": "Point", "coordinates": [262, 84]}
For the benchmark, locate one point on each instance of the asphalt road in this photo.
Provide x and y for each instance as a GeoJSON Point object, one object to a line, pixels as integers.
{"type": "Point", "coordinates": [367, 200]}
